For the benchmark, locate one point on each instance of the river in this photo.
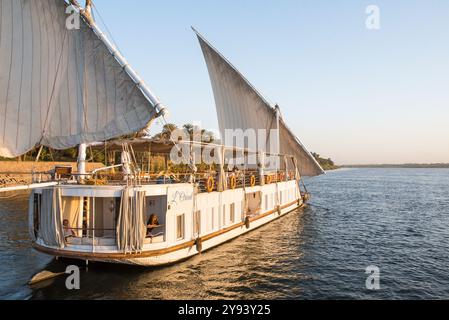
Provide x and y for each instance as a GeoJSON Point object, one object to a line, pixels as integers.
{"type": "Point", "coordinates": [394, 219]}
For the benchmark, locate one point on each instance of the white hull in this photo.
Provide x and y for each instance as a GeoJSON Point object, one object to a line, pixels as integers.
{"type": "Point", "coordinates": [179, 255]}
{"type": "Point", "coordinates": [216, 226]}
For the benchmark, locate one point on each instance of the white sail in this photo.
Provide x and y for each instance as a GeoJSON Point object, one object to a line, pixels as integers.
{"type": "Point", "coordinates": [61, 87]}
{"type": "Point", "coordinates": [240, 106]}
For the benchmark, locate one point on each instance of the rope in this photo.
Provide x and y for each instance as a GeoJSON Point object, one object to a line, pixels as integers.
{"type": "Point", "coordinates": [53, 89]}
{"type": "Point", "coordinates": [105, 26]}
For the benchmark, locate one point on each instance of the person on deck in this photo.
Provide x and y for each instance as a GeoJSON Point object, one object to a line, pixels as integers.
{"type": "Point", "coordinates": [68, 232]}
{"type": "Point", "coordinates": [153, 223]}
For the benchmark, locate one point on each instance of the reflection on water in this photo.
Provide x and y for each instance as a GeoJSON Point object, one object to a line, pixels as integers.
{"type": "Point", "coordinates": [395, 219]}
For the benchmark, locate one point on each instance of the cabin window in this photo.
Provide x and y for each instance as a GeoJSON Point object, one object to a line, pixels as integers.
{"type": "Point", "coordinates": [224, 214]}
{"type": "Point", "coordinates": [212, 221]}
{"type": "Point", "coordinates": [266, 202]}
{"type": "Point", "coordinates": [232, 213]}
{"type": "Point", "coordinates": [180, 227]}
{"type": "Point", "coordinates": [197, 222]}
{"type": "Point", "coordinates": [281, 200]}
{"type": "Point", "coordinates": [37, 212]}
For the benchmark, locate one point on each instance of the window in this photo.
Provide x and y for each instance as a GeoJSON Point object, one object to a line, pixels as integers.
{"type": "Point", "coordinates": [266, 202]}
{"type": "Point", "coordinates": [212, 221]}
{"type": "Point", "coordinates": [197, 222]}
{"type": "Point", "coordinates": [37, 212]}
{"type": "Point", "coordinates": [224, 214]}
{"type": "Point", "coordinates": [280, 200]}
{"type": "Point", "coordinates": [232, 213]}
{"type": "Point", "coordinates": [180, 227]}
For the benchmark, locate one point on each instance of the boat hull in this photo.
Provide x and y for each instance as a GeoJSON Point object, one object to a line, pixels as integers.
{"type": "Point", "coordinates": [174, 254]}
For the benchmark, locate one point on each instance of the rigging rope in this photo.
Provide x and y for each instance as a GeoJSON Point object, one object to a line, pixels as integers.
{"type": "Point", "coordinates": [44, 129]}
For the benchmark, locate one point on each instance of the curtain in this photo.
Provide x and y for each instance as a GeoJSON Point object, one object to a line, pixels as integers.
{"type": "Point", "coordinates": [71, 211]}
{"type": "Point", "coordinates": [51, 229]}
{"type": "Point", "coordinates": [31, 208]}
{"type": "Point", "coordinates": [131, 224]}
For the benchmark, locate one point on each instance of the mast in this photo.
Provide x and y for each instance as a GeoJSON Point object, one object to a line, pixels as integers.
{"type": "Point", "coordinates": [82, 154]}
{"type": "Point", "coordinates": [82, 148]}
{"type": "Point", "coordinates": [278, 138]}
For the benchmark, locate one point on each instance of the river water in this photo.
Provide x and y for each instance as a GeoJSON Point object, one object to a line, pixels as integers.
{"type": "Point", "coordinates": [394, 219]}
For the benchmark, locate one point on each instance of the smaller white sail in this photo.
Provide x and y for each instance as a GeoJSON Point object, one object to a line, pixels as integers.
{"type": "Point", "coordinates": [240, 106]}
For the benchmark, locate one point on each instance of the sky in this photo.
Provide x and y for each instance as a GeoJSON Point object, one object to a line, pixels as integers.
{"type": "Point", "coordinates": [356, 95]}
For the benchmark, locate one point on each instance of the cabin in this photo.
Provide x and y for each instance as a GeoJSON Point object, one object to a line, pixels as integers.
{"type": "Point", "coordinates": [109, 211]}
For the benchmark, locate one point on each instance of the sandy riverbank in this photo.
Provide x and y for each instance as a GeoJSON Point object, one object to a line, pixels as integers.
{"type": "Point", "coordinates": [18, 173]}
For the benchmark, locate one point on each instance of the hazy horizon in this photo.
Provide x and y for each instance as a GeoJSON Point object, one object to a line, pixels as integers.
{"type": "Point", "coordinates": [355, 95]}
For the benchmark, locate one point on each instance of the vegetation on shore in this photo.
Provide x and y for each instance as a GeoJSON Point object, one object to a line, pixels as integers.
{"type": "Point", "coordinates": [70, 155]}
{"type": "Point", "coordinates": [326, 164]}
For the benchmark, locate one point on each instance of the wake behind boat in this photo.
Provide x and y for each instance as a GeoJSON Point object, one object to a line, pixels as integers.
{"type": "Point", "coordinates": [85, 93]}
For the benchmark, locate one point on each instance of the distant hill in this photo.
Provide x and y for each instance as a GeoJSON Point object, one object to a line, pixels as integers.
{"type": "Point", "coordinates": [405, 166]}
{"type": "Point", "coordinates": [326, 164]}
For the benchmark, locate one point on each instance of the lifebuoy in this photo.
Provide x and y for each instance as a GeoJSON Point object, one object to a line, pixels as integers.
{"type": "Point", "coordinates": [233, 182]}
{"type": "Point", "coordinates": [282, 176]}
{"type": "Point", "coordinates": [253, 181]}
{"type": "Point", "coordinates": [268, 179]}
{"type": "Point", "coordinates": [210, 184]}
{"type": "Point", "coordinates": [199, 245]}
{"type": "Point", "coordinates": [247, 223]}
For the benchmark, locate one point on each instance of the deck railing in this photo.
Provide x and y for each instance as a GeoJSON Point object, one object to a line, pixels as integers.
{"type": "Point", "coordinates": [207, 181]}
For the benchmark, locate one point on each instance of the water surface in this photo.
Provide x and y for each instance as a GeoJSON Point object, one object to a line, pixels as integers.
{"type": "Point", "coordinates": [395, 219]}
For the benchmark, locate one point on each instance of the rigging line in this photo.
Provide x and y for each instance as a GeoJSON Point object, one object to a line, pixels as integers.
{"type": "Point", "coordinates": [105, 26]}
{"type": "Point", "coordinates": [53, 88]}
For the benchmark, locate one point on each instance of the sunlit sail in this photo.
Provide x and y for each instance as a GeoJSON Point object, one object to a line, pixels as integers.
{"type": "Point", "coordinates": [240, 106]}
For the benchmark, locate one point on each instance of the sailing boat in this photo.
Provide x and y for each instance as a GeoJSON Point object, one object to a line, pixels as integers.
{"type": "Point", "coordinates": [63, 88]}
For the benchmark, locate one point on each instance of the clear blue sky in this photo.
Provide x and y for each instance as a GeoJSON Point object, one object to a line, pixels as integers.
{"type": "Point", "coordinates": [355, 95]}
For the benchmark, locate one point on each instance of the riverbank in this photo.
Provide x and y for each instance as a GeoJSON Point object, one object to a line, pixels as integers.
{"type": "Point", "coordinates": [20, 172]}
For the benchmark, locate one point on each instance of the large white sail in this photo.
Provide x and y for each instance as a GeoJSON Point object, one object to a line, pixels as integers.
{"type": "Point", "coordinates": [240, 106]}
{"type": "Point", "coordinates": [61, 87]}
